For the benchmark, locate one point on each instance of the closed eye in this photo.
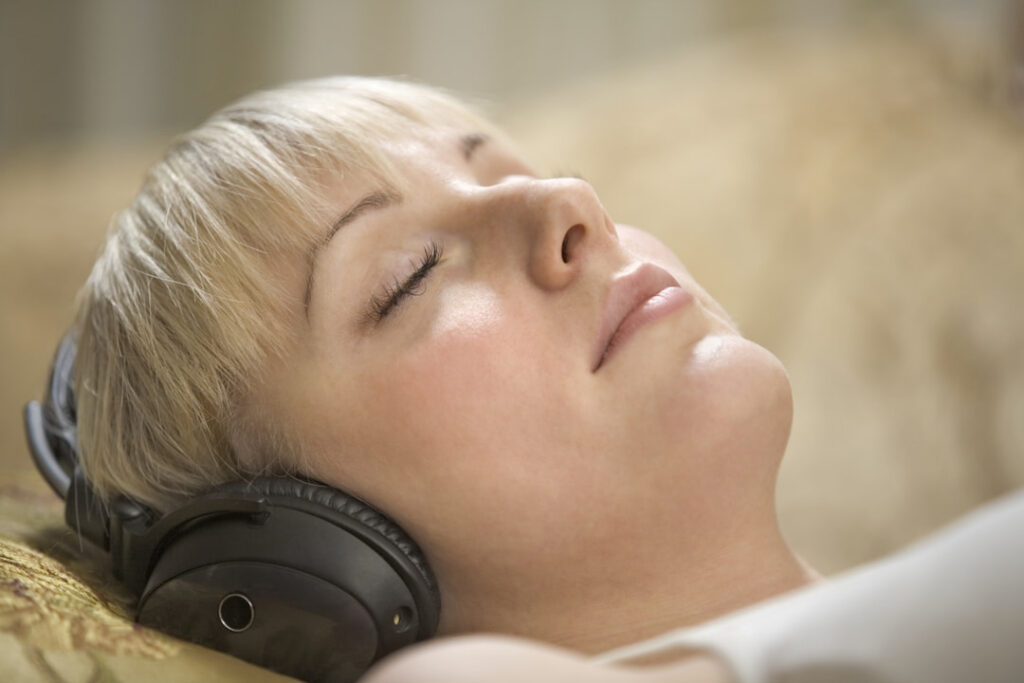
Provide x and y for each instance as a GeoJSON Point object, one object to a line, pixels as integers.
{"type": "Point", "coordinates": [383, 304]}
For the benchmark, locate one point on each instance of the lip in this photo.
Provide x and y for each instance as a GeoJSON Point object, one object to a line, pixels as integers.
{"type": "Point", "coordinates": [635, 300]}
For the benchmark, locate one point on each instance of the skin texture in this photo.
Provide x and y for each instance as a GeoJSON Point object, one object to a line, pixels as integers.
{"type": "Point", "coordinates": [588, 509]}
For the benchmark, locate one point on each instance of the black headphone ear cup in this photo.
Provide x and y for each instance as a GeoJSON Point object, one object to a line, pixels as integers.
{"type": "Point", "coordinates": [290, 575]}
{"type": "Point", "coordinates": [330, 500]}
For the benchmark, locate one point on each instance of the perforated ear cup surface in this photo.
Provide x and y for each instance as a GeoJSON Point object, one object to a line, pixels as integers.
{"type": "Point", "coordinates": [304, 563]}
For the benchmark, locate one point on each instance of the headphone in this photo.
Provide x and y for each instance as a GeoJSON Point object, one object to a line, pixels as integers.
{"type": "Point", "coordinates": [290, 575]}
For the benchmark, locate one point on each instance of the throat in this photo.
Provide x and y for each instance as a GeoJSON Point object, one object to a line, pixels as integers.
{"type": "Point", "coordinates": [640, 599]}
{"type": "Point", "coordinates": [686, 600]}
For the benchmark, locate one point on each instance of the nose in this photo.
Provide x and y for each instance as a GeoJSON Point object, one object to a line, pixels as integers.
{"type": "Point", "coordinates": [558, 223]}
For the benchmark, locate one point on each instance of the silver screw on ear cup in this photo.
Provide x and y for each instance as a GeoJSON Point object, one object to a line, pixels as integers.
{"type": "Point", "coordinates": [236, 612]}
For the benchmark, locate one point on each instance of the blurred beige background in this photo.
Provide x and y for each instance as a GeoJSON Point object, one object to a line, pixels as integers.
{"type": "Point", "coordinates": [85, 70]}
{"type": "Point", "coordinates": [846, 177]}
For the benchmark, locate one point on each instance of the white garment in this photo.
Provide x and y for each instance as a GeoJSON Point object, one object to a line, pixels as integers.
{"type": "Point", "coordinates": [949, 609]}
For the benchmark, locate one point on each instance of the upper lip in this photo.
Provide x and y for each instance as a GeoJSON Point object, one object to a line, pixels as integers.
{"type": "Point", "coordinates": [625, 294]}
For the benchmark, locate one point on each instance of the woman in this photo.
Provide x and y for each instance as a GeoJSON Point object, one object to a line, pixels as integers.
{"type": "Point", "coordinates": [361, 282]}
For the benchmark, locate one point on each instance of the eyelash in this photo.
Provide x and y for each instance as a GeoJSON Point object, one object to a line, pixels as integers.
{"type": "Point", "coordinates": [381, 305]}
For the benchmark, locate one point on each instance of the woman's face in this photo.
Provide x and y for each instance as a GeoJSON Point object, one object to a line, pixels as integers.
{"type": "Point", "coordinates": [491, 360]}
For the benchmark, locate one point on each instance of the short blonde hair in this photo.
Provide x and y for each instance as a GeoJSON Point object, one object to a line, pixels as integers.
{"type": "Point", "coordinates": [179, 312]}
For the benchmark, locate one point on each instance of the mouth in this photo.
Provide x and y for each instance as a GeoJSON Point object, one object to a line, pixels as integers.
{"type": "Point", "coordinates": [641, 297]}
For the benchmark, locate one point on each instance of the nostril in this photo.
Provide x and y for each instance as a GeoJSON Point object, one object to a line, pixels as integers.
{"type": "Point", "coordinates": [571, 239]}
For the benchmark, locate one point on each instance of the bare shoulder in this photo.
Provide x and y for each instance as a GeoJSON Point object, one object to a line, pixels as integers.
{"type": "Point", "coordinates": [503, 659]}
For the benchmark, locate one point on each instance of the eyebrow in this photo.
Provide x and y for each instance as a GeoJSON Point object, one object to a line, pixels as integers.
{"type": "Point", "coordinates": [378, 199]}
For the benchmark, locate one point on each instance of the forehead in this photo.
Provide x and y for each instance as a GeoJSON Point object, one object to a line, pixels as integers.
{"type": "Point", "coordinates": [409, 164]}
{"type": "Point", "coordinates": [445, 153]}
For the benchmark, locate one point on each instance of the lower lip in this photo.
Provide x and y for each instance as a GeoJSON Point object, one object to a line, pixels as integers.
{"type": "Point", "coordinates": [665, 302]}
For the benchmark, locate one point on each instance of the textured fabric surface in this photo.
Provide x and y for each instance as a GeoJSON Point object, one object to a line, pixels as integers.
{"type": "Point", "coordinates": [63, 618]}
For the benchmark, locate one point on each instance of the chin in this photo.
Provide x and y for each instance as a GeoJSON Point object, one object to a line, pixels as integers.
{"type": "Point", "coordinates": [732, 406]}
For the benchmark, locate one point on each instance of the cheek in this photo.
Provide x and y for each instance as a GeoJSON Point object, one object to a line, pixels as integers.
{"type": "Point", "coordinates": [468, 311]}
{"type": "Point", "coordinates": [470, 339]}
{"type": "Point", "coordinates": [478, 408]}
{"type": "Point", "coordinates": [455, 393]}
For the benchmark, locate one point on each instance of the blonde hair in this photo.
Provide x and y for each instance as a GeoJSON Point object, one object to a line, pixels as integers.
{"type": "Point", "coordinates": [179, 312]}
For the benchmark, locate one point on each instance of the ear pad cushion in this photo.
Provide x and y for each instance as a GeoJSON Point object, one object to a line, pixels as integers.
{"type": "Point", "coordinates": [330, 502]}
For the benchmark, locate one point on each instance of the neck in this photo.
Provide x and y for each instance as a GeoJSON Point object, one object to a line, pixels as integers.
{"type": "Point", "coordinates": [646, 594]}
{"type": "Point", "coordinates": [726, 581]}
